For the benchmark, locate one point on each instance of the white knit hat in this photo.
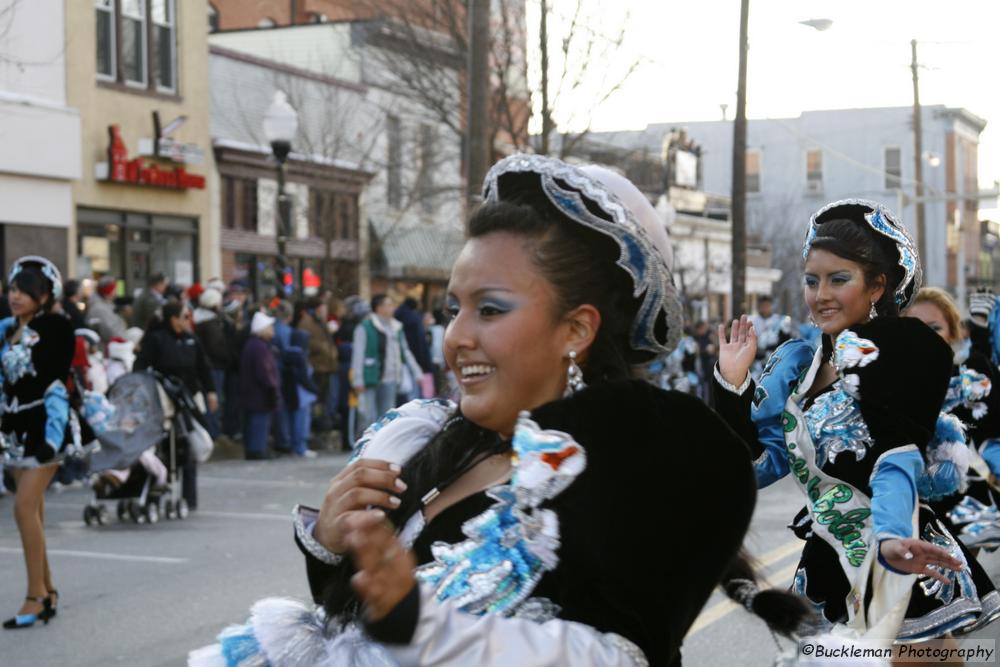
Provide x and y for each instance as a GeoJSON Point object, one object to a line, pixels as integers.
{"type": "Point", "coordinates": [260, 322]}
{"type": "Point", "coordinates": [210, 298]}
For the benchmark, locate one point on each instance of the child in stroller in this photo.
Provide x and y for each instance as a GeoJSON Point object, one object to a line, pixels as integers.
{"type": "Point", "coordinates": [147, 425]}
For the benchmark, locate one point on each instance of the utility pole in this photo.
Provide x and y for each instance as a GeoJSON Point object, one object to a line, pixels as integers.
{"type": "Point", "coordinates": [543, 39]}
{"type": "Point", "coordinates": [918, 157]}
{"type": "Point", "coordinates": [739, 196]}
{"type": "Point", "coordinates": [478, 151]}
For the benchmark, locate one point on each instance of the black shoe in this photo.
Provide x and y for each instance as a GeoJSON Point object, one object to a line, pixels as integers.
{"type": "Point", "coordinates": [259, 456]}
{"type": "Point", "coordinates": [22, 621]}
{"type": "Point", "coordinates": [50, 603]}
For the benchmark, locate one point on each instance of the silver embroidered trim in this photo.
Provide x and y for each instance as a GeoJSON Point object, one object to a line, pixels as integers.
{"type": "Point", "coordinates": [628, 648]}
{"type": "Point", "coordinates": [834, 421]}
{"type": "Point", "coordinates": [651, 277]}
{"type": "Point", "coordinates": [317, 550]}
{"type": "Point", "coordinates": [411, 531]}
{"type": "Point", "coordinates": [918, 629]}
{"type": "Point", "coordinates": [537, 610]}
{"type": "Point", "coordinates": [729, 386]}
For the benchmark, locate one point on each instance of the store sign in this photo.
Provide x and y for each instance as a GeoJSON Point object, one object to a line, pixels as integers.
{"type": "Point", "coordinates": [137, 171]}
{"type": "Point", "coordinates": [164, 147]}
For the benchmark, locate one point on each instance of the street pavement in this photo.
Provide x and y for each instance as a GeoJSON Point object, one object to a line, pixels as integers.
{"type": "Point", "coordinates": [147, 594]}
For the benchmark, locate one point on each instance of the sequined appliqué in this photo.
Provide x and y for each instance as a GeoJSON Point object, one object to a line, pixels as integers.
{"type": "Point", "coordinates": [16, 359]}
{"type": "Point", "coordinates": [960, 584]}
{"type": "Point", "coordinates": [968, 389]}
{"type": "Point", "coordinates": [512, 544]}
{"type": "Point", "coordinates": [836, 425]}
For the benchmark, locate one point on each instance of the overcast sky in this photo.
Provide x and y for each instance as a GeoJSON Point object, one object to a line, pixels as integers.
{"type": "Point", "coordinates": [689, 53]}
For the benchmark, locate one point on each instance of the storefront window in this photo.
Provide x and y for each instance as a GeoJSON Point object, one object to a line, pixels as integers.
{"type": "Point", "coordinates": [173, 255]}
{"type": "Point", "coordinates": [134, 245]}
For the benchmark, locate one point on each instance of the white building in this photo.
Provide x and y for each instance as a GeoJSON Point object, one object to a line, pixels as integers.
{"type": "Point", "coordinates": [39, 133]}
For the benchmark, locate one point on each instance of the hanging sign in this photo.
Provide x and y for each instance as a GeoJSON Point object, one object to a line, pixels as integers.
{"type": "Point", "coordinates": [137, 171]}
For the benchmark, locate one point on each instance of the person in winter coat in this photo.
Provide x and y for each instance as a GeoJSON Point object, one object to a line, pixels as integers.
{"type": "Point", "coordinates": [322, 353]}
{"type": "Point", "coordinates": [379, 355]}
{"type": "Point", "coordinates": [210, 329]}
{"type": "Point", "coordinates": [150, 301]}
{"type": "Point", "coordinates": [299, 392]}
{"type": "Point", "coordinates": [171, 349]}
{"type": "Point", "coordinates": [101, 315]}
{"type": "Point", "coordinates": [72, 304]}
{"type": "Point", "coordinates": [259, 386]}
{"type": "Point", "coordinates": [412, 319]}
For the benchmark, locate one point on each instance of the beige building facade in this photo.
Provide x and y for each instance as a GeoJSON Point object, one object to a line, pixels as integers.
{"type": "Point", "coordinates": [137, 71]}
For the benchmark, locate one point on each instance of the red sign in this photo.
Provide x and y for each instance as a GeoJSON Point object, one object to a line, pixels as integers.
{"type": "Point", "coordinates": [120, 169]}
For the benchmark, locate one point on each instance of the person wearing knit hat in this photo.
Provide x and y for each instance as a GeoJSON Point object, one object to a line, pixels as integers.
{"type": "Point", "coordinates": [194, 293]}
{"type": "Point", "coordinates": [101, 315]}
{"type": "Point", "coordinates": [259, 386]}
{"type": "Point", "coordinates": [212, 331]}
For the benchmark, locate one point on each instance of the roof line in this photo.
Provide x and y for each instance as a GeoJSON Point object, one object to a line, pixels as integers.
{"type": "Point", "coordinates": [285, 69]}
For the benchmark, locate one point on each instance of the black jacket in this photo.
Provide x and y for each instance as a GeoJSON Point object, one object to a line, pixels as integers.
{"type": "Point", "coordinates": [177, 355]}
{"type": "Point", "coordinates": [216, 342]}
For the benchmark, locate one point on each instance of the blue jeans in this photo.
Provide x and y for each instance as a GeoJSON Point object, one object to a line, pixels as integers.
{"type": "Point", "coordinates": [256, 426]}
{"type": "Point", "coordinates": [281, 428]}
{"type": "Point", "coordinates": [215, 418]}
{"type": "Point", "coordinates": [232, 416]}
{"type": "Point", "coordinates": [374, 403]}
{"type": "Point", "coordinates": [301, 422]}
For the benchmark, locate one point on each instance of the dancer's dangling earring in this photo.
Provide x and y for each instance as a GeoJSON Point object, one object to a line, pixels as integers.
{"type": "Point", "coordinates": [872, 314]}
{"type": "Point", "coordinates": [574, 376]}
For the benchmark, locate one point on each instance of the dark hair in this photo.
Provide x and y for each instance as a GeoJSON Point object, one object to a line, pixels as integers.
{"type": "Point", "coordinates": [70, 288]}
{"type": "Point", "coordinates": [156, 279]}
{"type": "Point", "coordinates": [581, 266]}
{"type": "Point", "coordinates": [411, 303]}
{"type": "Point", "coordinates": [172, 309]}
{"type": "Point", "coordinates": [377, 301]}
{"type": "Point", "coordinates": [33, 282]}
{"type": "Point", "coordinates": [857, 242]}
{"type": "Point", "coordinates": [764, 298]}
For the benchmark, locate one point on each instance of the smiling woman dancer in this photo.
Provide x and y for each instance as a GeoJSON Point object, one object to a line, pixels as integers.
{"type": "Point", "coordinates": [579, 533]}
{"type": "Point", "coordinates": [851, 421]}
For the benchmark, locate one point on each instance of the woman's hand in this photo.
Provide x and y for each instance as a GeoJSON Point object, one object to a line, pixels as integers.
{"type": "Point", "coordinates": [385, 569]}
{"type": "Point", "coordinates": [212, 401]}
{"type": "Point", "coordinates": [736, 354]}
{"type": "Point", "coordinates": [352, 499]}
{"type": "Point", "coordinates": [918, 557]}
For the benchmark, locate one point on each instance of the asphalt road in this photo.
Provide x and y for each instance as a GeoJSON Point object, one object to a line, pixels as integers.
{"type": "Point", "coordinates": [146, 595]}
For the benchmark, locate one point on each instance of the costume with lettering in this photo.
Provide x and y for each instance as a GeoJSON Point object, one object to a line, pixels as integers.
{"type": "Point", "coordinates": [40, 424]}
{"type": "Point", "coordinates": [859, 449]}
{"type": "Point", "coordinates": [558, 566]}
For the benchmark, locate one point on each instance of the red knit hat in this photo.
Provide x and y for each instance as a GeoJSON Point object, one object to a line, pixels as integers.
{"type": "Point", "coordinates": [107, 286]}
{"type": "Point", "coordinates": [194, 292]}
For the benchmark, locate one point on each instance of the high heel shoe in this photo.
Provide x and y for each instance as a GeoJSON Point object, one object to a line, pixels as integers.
{"type": "Point", "coordinates": [27, 620]}
{"type": "Point", "coordinates": [50, 605]}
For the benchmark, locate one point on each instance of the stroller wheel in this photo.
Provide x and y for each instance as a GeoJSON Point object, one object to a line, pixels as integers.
{"type": "Point", "coordinates": [102, 515]}
{"type": "Point", "coordinates": [135, 512]}
{"type": "Point", "coordinates": [88, 515]}
{"type": "Point", "coordinates": [122, 510]}
{"type": "Point", "coordinates": [168, 509]}
{"type": "Point", "coordinates": [182, 508]}
{"type": "Point", "coordinates": [152, 512]}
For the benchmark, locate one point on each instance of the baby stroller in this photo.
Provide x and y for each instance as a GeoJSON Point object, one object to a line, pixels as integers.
{"type": "Point", "coordinates": [147, 410]}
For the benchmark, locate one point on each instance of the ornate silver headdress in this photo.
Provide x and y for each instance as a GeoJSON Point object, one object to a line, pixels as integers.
{"type": "Point", "coordinates": [883, 221]}
{"type": "Point", "coordinates": [48, 269]}
{"type": "Point", "coordinates": [576, 193]}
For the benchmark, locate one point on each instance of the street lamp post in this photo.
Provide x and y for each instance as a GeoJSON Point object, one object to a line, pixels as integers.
{"type": "Point", "coordinates": [280, 125]}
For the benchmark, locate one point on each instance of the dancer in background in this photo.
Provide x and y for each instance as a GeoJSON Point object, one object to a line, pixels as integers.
{"type": "Point", "coordinates": [39, 427]}
{"type": "Point", "coordinates": [852, 422]}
